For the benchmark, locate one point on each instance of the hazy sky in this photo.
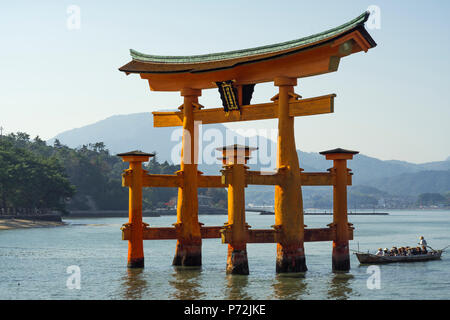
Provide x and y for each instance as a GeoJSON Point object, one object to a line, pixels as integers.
{"type": "Point", "coordinates": [392, 102]}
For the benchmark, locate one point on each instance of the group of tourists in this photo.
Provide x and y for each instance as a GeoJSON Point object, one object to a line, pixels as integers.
{"type": "Point", "coordinates": [405, 251]}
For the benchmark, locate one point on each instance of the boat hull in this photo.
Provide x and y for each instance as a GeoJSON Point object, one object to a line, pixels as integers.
{"type": "Point", "coordinates": [367, 258]}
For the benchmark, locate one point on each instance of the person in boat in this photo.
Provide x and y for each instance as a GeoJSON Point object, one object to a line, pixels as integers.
{"type": "Point", "coordinates": [379, 252]}
{"type": "Point", "coordinates": [408, 251]}
{"type": "Point", "coordinates": [385, 252]}
{"type": "Point", "coordinates": [394, 251]}
{"type": "Point", "coordinates": [422, 241]}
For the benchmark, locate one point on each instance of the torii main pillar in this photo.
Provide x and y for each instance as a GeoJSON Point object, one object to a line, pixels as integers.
{"type": "Point", "coordinates": [189, 242]}
{"type": "Point", "coordinates": [288, 194]}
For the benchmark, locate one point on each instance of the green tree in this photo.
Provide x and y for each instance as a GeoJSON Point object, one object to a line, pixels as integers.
{"type": "Point", "coordinates": [447, 198]}
{"type": "Point", "coordinates": [28, 180]}
{"type": "Point", "coordinates": [431, 199]}
{"type": "Point", "coordinates": [36, 175]}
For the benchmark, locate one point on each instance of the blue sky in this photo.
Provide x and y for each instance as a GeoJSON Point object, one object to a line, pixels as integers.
{"type": "Point", "coordinates": [392, 102]}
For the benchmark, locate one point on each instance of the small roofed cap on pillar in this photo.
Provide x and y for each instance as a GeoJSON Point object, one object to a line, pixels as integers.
{"type": "Point", "coordinates": [339, 153]}
{"type": "Point", "coordinates": [232, 152]}
{"type": "Point", "coordinates": [136, 155]}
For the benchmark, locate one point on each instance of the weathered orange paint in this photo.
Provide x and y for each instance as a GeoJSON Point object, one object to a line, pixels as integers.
{"type": "Point", "coordinates": [188, 250]}
{"type": "Point", "coordinates": [210, 182]}
{"type": "Point", "coordinates": [234, 160]}
{"type": "Point", "coordinates": [261, 111]}
{"type": "Point", "coordinates": [253, 235]}
{"type": "Point", "coordinates": [341, 252]}
{"type": "Point", "coordinates": [169, 233]}
{"type": "Point", "coordinates": [162, 180]}
{"type": "Point", "coordinates": [135, 224]}
{"type": "Point", "coordinates": [288, 194]}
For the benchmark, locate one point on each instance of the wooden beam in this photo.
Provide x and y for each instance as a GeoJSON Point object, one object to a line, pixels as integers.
{"type": "Point", "coordinates": [273, 178]}
{"type": "Point", "coordinates": [167, 119]}
{"type": "Point", "coordinates": [170, 233]}
{"type": "Point", "coordinates": [270, 235]}
{"type": "Point", "coordinates": [311, 106]}
{"type": "Point", "coordinates": [253, 236]}
{"type": "Point", "coordinates": [317, 178]}
{"type": "Point", "coordinates": [259, 236]}
{"type": "Point", "coordinates": [320, 234]}
{"type": "Point", "coordinates": [252, 178]}
{"type": "Point", "coordinates": [321, 179]}
{"type": "Point", "coordinates": [308, 178]}
{"type": "Point", "coordinates": [355, 36]}
{"type": "Point", "coordinates": [126, 178]}
{"type": "Point", "coordinates": [262, 178]}
{"type": "Point", "coordinates": [212, 232]}
{"type": "Point", "coordinates": [210, 182]}
{"type": "Point", "coordinates": [162, 180]}
{"type": "Point", "coordinates": [302, 107]}
{"type": "Point", "coordinates": [160, 233]}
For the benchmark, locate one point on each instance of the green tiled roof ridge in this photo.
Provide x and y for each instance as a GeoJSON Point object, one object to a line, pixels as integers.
{"type": "Point", "coordinates": [360, 20]}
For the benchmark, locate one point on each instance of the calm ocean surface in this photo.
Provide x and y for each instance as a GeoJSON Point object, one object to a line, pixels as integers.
{"type": "Point", "coordinates": [33, 263]}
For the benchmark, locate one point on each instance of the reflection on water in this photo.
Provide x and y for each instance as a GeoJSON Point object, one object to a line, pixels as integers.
{"type": "Point", "coordinates": [340, 286]}
{"type": "Point", "coordinates": [290, 286]}
{"type": "Point", "coordinates": [134, 284]}
{"type": "Point", "coordinates": [236, 288]}
{"type": "Point", "coordinates": [185, 281]}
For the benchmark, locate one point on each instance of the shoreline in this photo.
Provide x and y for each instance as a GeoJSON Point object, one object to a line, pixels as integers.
{"type": "Point", "coordinates": [10, 224]}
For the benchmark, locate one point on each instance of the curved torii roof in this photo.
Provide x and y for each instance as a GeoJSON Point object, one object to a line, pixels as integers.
{"type": "Point", "coordinates": [312, 55]}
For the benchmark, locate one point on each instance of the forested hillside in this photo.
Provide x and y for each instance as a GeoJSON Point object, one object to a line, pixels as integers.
{"type": "Point", "coordinates": [36, 176]}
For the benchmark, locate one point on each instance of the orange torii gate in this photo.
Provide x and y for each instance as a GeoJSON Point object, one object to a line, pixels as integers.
{"type": "Point", "coordinates": [281, 63]}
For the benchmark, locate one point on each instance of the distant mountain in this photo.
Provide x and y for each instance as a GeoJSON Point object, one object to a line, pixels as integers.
{"type": "Point", "coordinates": [122, 133]}
{"type": "Point", "coordinates": [367, 190]}
{"type": "Point", "coordinates": [413, 184]}
{"type": "Point", "coordinates": [364, 168]}
{"type": "Point", "coordinates": [438, 165]}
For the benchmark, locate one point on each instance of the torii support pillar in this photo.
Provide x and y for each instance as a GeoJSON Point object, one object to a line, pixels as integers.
{"type": "Point", "coordinates": [234, 173]}
{"type": "Point", "coordinates": [189, 242]}
{"type": "Point", "coordinates": [289, 221]}
{"type": "Point", "coordinates": [135, 243]}
{"type": "Point", "coordinates": [341, 254]}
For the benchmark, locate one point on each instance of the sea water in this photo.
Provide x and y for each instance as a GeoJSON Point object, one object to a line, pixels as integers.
{"type": "Point", "coordinates": [39, 263]}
